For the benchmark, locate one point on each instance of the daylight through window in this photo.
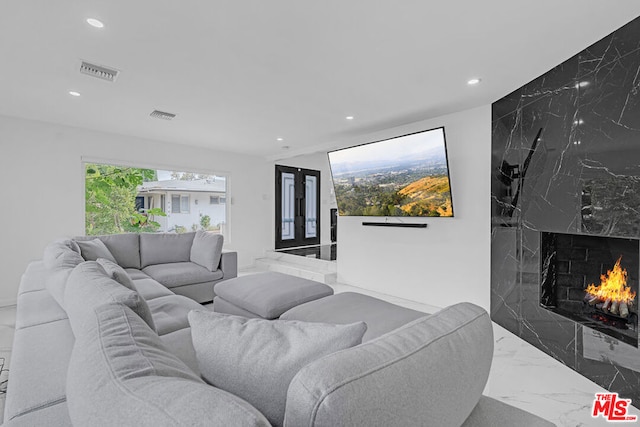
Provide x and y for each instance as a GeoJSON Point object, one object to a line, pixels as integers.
{"type": "Point", "coordinates": [127, 199]}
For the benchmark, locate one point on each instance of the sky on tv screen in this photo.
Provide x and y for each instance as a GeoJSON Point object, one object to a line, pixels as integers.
{"type": "Point", "coordinates": [403, 176]}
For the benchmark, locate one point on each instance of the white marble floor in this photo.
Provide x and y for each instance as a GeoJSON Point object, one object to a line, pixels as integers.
{"type": "Point", "coordinates": [521, 375]}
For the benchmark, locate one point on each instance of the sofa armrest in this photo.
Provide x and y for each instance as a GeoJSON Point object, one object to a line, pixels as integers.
{"type": "Point", "coordinates": [229, 265]}
{"type": "Point", "coordinates": [431, 371]}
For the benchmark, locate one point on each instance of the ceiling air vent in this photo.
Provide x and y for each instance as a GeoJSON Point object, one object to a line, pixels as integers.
{"type": "Point", "coordinates": [162, 115]}
{"type": "Point", "coordinates": [99, 71]}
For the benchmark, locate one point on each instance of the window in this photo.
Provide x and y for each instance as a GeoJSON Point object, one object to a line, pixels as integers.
{"type": "Point", "coordinates": [184, 204]}
{"type": "Point", "coordinates": [175, 204]}
{"type": "Point", "coordinates": [123, 199]}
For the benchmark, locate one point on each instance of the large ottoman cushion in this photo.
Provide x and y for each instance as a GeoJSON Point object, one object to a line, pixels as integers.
{"type": "Point", "coordinates": [348, 307]}
{"type": "Point", "coordinates": [181, 273]}
{"type": "Point", "coordinates": [270, 294]}
{"type": "Point", "coordinates": [221, 305]}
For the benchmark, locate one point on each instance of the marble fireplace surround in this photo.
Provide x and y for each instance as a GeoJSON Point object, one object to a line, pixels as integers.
{"type": "Point", "coordinates": [566, 160]}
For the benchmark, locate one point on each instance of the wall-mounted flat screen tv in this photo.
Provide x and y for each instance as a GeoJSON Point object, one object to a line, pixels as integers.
{"type": "Point", "coordinates": [403, 176]}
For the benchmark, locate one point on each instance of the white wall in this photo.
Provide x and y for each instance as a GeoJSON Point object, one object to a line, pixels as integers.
{"type": "Point", "coordinates": [42, 184]}
{"type": "Point", "coordinates": [449, 261]}
{"type": "Point", "coordinates": [320, 162]}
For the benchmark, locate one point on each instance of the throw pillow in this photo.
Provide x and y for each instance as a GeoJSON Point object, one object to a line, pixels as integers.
{"type": "Point", "coordinates": [91, 250]}
{"type": "Point", "coordinates": [117, 273]}
{"type": "Point", "coordinates": [206, 249]}
{"type": "Point", "coordinates": [256, 359]}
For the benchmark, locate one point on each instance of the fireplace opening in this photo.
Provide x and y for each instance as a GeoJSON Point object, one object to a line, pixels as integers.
{"type": "Point", "coordinates": [592, 280]}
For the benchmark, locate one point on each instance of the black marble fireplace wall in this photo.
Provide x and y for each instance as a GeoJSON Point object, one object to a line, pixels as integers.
{"type": "Point", "coordinates": [566, 159]}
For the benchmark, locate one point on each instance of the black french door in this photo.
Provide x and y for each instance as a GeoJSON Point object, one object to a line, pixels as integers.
{"type": "Point", "coordinates": [297, 207]}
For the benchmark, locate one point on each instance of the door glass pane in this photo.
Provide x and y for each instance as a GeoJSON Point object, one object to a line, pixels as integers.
{"type": "Point", "coordinates": [310, 226]}
{"type": "Point", "coordinates": [288, 206]}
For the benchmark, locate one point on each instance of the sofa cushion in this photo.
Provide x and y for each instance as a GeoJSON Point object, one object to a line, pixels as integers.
{"type": "Point", "coordinates": [34, 278]}
{"type": "Point", "coordinates": [125, 247]}
{"type": "Point", "coordinates": [163, 248]}
{"type": "Point", "coordinates": [181, 273]}
{"type": "Point", "coordinates": [136, 274]}
{"type": "Point", "coordinates": [270, 294]}
{"type": "Point", "coordinates": [117, 273]}
{"type": "Point", "coordinates": [36, 308]}
{"type": "Point", "coordinates": [91, 250]}
{"type": "Point", "coordinates": [43, 417]}
{"type": "Point", "coordinates": [89, 286]}
{"type": "Point", "coordinates": [433, 368]}
{"type": "Point", "coordinates": [38, 381]}
{"type": "Point", "coordinates": [256, 359]}
{"type": "Point", "coordinates": [60, 258]}
{"type": "Point", "coordinates": [179, 344]}
{"type": "Point", "coordinates": [121, 374]}
{"type": "Point", "coordinates": [170, 312]}
{"type": "Point", "coordinates": [150, 289]}
{"type": "Point", "coordinates": [348, 307]}
{"type": "Point", "coordinates": [207, 249]}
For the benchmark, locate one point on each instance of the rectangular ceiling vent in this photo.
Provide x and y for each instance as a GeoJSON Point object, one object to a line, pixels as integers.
{"type": "Point", "coordinates": [162, 115]}
{"type": "Point", "coordinates": [99, 71]}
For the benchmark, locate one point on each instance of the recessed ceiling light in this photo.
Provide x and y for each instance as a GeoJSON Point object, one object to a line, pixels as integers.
{"type": "Point", "coordinates": [472, 82]}
{"type": "Point", "coordinates": [349, 117]}
{"type": "Point", "coordinates": [95, 23]}
{"type": "Point", "coordinates": [74, 93]}
{"type": "Point", "coordinates": [279, 139]}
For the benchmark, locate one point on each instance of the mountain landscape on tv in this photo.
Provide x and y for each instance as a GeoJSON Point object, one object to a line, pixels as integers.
{"type": "Point", "coordinates": [406, 176]}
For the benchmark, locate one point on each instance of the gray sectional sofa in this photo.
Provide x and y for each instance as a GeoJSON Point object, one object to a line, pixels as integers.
{"type": "Point", "coordinates": [168, 258]}
{"type": "Point", "coordinates": [118, 349]}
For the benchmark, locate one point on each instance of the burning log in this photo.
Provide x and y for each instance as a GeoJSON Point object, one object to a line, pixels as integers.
{"type": "Point", "coordinates": [624, 310]}
{"type": "Point", "coordinates": [614, 307]}
{"type": "Point", "coordinates": [591, 300]}
{"type": "Point", "coordinates": [612, 294]}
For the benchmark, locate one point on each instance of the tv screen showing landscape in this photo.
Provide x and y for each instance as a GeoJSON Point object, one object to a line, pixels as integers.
{"type": "Point", "coordinates": [403, 176]}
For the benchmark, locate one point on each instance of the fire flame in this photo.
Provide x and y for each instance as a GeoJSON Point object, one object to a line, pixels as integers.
{"type": "Point", "coordinates": [613, 286]}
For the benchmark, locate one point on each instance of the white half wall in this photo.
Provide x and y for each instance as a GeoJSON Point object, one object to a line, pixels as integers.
{"type": "Point", "coordinates": [43, 188]}
{"type": "Point", "coordinates": [449, 261]}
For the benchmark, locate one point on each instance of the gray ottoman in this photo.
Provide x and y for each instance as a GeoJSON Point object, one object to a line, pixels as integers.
{"type": "Point", "coordinates": [266, 295]}
{"type": "Point", "coordinates": [348, 307]}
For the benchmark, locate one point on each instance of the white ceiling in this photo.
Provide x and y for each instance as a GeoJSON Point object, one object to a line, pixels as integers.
{"type": "Point", "coordinates": [240, 74]}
